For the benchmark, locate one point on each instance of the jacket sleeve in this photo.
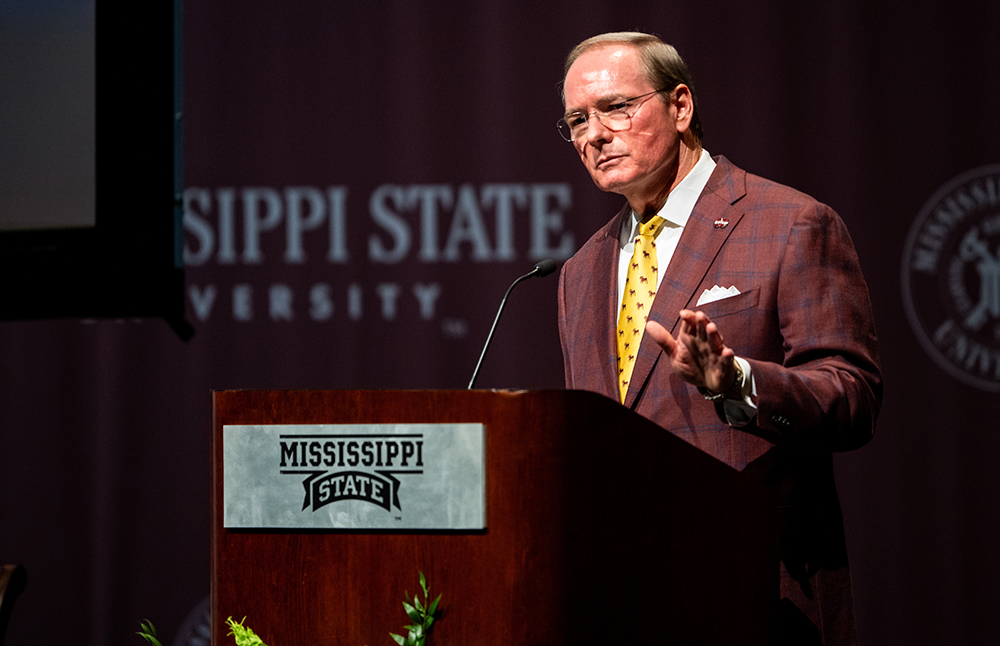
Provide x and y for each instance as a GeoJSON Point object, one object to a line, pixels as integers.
{"type": "Point", "coordinates": [827, 391]}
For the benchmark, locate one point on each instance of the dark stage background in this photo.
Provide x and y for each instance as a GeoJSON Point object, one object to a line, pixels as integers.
{"type": "Point", "coordinates": [363, 185]}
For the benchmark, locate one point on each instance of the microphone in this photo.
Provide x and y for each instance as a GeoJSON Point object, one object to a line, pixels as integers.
{"type": "Point", "coordinates": [542, 268]}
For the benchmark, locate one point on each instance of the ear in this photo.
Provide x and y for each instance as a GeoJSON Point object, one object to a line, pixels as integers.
{"type": "Point", "coordinates": [684, 103]}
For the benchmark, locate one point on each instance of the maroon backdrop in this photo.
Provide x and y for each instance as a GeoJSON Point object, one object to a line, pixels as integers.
{"type": "Point", "coordinates": [364, 184]}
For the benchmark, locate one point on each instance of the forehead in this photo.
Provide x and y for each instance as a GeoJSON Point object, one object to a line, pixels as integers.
{"type": "Point", "coordinates": [603, 73]}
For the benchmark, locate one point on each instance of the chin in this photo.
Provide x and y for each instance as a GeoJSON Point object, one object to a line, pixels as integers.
{"type": "Point", "coordinates": [611, 185]}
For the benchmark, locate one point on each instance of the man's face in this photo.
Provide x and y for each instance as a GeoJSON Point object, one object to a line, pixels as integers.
{"type": "Point", "coordinates": [636, 162]}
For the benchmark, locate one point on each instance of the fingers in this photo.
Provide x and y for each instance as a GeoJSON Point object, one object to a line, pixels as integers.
{"type": "Point", "coordinates": [702, 329]}
{"type": "Point", "coordinates": [714, 337]}
{"type": "Point", "coordinates": [661, 336]}
{"type": "Point", "coordinates": [698, 353]}
{"type": "Point", "coordinates": [695, 332]}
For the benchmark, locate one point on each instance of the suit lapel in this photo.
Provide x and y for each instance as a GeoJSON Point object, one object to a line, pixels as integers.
{"type": "Point", "coordinates": [606, 322]}
{"type": "Point", "coordinates": [697, 248]}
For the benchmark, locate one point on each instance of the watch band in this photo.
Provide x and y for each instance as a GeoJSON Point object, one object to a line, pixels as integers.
{"type": "Point", "coordinates": [737, 385]}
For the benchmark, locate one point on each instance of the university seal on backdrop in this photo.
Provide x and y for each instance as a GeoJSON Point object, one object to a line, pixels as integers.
{"type": "Point", "coordinates": [951, 277]}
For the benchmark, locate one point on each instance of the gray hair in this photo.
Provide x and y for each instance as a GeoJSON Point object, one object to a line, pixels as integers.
{"type": "Point", "coordinates": [661, 64]}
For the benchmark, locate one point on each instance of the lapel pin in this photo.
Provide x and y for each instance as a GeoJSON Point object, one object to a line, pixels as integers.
{"type": "Point", "coordinates": [721, 223]}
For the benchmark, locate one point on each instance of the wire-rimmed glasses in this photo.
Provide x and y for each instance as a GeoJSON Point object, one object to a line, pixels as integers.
{"type": "Point", "coordinates": [616, 118]}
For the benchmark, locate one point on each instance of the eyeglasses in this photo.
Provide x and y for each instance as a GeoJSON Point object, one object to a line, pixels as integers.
{"type": "Point", "coordinates": [617, 117]}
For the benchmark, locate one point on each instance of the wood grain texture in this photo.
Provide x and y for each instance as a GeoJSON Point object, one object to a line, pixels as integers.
{"type": "Point", "coordinates": [601, 527]}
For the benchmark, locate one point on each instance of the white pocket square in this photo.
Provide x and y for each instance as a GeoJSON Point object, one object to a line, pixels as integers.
{"type": "Point", "coordinates": [716, 294]}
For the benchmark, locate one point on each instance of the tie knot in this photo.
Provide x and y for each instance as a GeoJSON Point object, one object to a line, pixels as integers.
{"type": "Point", "coordinates": [650, 228]}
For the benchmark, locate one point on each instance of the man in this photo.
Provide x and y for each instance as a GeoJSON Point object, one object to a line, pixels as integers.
{"type": "Point", "coordinates": [726, 308]}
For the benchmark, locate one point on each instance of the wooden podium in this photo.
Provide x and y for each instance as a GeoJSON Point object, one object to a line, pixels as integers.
{"type": "Point", "coordinates": [601, 528]}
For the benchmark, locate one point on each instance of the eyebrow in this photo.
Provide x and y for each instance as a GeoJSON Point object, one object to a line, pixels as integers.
{"type": "Point", "coordinates": [605, 100]}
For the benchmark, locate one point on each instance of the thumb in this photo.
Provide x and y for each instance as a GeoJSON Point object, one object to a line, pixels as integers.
{"type": "Point", "coordinates": [661, 336]}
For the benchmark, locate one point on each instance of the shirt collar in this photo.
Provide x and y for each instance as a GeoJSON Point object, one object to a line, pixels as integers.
{"type": "Point", "coordinates": [680, 202]}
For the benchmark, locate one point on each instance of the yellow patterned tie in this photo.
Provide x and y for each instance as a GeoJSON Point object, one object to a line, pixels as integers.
{"type": "Point", "coordinates": [640, 288]}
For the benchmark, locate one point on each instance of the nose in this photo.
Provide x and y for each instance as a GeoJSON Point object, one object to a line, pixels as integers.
{"type": "Point", "coordinates": [597, 131]}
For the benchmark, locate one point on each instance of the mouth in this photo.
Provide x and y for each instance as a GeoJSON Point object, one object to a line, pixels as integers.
{"type": "Point", "coordinates": [607, 159]}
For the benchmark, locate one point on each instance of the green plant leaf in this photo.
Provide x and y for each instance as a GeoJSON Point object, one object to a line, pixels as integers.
{"type": "Point", "coordinates": [148, 633]}
{"type": "Point", "coordinates": [411, 612]}
{"type": "Point", "coordinates": [242, 635]}
{"type": "Point", "coordinates": [420, 614]}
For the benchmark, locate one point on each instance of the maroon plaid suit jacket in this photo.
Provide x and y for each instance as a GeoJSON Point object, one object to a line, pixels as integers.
{"type": "Point", "coordinates": [802, 319]}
